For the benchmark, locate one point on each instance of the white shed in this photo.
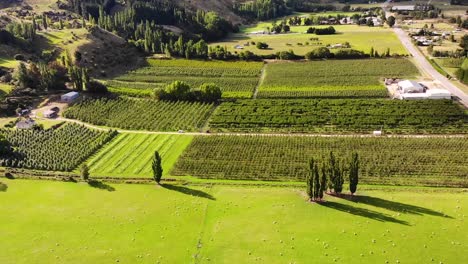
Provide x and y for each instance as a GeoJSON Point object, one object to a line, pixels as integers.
{"type": "Point", "coordinates": [50, 114]}
{"type": "Point", "coordinates": [70, 97]}
{"type": "Point", "coordinates": [439, 94]}
{"type": "Point", "coordinates": [408, 86]}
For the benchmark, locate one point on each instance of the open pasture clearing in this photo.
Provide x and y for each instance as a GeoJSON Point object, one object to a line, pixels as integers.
{"type": "Point", "coordinates": [265, 25]}
{"type": "Point", "coordinates": [340, 116]}
{"type": "Point", "coordinates": [142, 114]}
{"type": "Point", "coordinates": [5, 89]}
{"type": "Point", "coordinates": [407, 161]}
{"type": "Point", "coordinates": [61, 149]}
{"type": "Point", "coordinates": [361, 38]}
{"type": "Point", "coordinates": [131, 155]}
{"type": "Point", "coordinates": [52, 222]}
{"type": "Point", "coordinates": [333, 78]}
{"type": "Point", "coordinates": [236, 79]}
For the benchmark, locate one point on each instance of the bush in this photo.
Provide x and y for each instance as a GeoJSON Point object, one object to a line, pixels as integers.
{"type": "Point", "coordinates": [19, 57]}
{"type": "Point", "coordinates": [350, 54]}
{"type": "Point", "coordinates": [262, 45]}
{"type": "Point", "coordinates": [319, 53]}
{"type": "Point", "coordinates": [96, 87]}
{"type": "Point", "coordinates": [321, 31]}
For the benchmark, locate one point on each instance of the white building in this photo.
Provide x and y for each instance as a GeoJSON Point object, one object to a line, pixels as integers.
{"type": "Point", "coordinates": [408, 86]}
{"type": "Point", "coordinates": [70, 97]}
{"type": "Point", "coordinates": [50, 114]}
{"type": "Point", "coordinates": [439, 94]}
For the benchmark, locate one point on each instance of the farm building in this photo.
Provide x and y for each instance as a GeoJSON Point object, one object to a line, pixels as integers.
{"type": "Point", "coordinates": [439, 94]}
{"type": "Point", "coordinates": [50, 113]}
{"type": "Point", "coordinates": [429, 94]}
{"type": "Point", "coordinates": [408, 86]}
{"type": "Point", "coordinates": [70, 97]}
{"type": "Point", "coordinates": [25, 124]}
{"type": "Point", "coordinates": [404, 8]}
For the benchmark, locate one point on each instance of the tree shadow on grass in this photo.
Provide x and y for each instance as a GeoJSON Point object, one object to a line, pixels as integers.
{"type": "Point", "coordinates": [393, 206]}
{"type": "Point", "coordinates": [362, 212]}
{"type": "Point", "coordinates": [101, 185]}
{"type": "Point", "coordinates": [188, 191]}
{"type": "Point", "coordinates": [3, 187]}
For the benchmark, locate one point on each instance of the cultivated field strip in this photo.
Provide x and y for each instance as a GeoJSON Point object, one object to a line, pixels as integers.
{"type": "Point", "coordinates": [333, 78]}
{"type": "Point", "coordinates": [142, 114]}
{"type": "Point", "coordinates": [236, 79]}
{"type": "Point", "coordinates": [61, 149]}
{"type": "Point", "coordinates": [429, 161]}
{"type": "Point", "coordinates": [130, 155]}
{"type": "Point", "coordinates": [339, 116]}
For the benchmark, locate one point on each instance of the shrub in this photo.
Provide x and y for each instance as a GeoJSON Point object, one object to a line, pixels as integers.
{"type": "Point", "coordinates": [19, 57]}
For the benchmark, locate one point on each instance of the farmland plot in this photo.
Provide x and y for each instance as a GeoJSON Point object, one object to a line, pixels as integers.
{"type": "Point", "coordinates": [131, 155]}
{"type": "Point", "coordinates": [61, 149]}
{"type": "Point", "coordinates": [236, 79]}
{"type": "Point", "coordinates": [411, 161]}
{"type": "Point", "coordinates": [340, 116]}
{"type": "Point", "coordinates": [142, 114]}
{"type": "Point", "coordinates": [333, 78]}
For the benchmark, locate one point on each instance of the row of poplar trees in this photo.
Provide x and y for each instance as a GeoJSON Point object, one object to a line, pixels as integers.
{"type": "Point", "coordinates": [329, 176]}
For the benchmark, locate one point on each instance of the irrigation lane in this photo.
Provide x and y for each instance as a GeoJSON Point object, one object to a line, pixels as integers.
{"type": "Point", "coordinates": [261, 134]}
{"type": "Point", "coordinates": [424, 64]}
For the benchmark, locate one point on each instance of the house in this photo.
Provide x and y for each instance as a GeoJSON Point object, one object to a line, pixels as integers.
{"type": "Point", "coordinates": [70, 97]}
{"type": "Point", "coordinates": [50, 113]}
{"type": "Point", "coordinates": [238, 47]}
{"type": "Point", "coordinates": [25, 124]}
{"type": "Point", "coordinates": [408, 86]}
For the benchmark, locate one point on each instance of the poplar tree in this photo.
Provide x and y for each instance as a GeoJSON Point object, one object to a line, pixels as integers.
{"type": "Point", "coordinates": [354, 173]}
{"type": "Point", "coordinates": [310, 180]}
{"type": "Point", "coordinates": [323, 182]}
{"type": "Point", "coordinates": [157, 167]}
{"type": "Point", "coordinates": [316, 183]}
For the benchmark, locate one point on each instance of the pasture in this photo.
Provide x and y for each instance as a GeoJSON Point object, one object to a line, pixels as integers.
{"type": "Point", "coordinates": [236, 79]}
{"type": "Point", "coordinates": [340, 116]}
{"type": "Point", "coordinates": [54, 222]}
{"type": "Point", "coordinates": [5, 89]}
{"type": "Point", "coordinates": [361, 38]}
{"type": "Point", "coordinates": [142, 114]}
{"type": "Point", "coordinates": [333, 78]}
{"type": "Point", "coordinates": [401, 161]}
{"type": "Point", "coordinates": [130, 155]}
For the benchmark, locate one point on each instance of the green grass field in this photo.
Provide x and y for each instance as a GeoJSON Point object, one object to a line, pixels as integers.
{"type": "Point", "coordinates": [5, 89]}
{"type": "Point", "coordinates": [236, 79]}
{"type": "Point", "coordinates": [130, 155]}
{"type": "Point", "coordinates": [333, 78]}
{"type": "Point", "coordinates": [9, 63]}
{"type": "Point", "coordinates": [53, 222]}
{"type": "Point", "coordinates": [360, 37]}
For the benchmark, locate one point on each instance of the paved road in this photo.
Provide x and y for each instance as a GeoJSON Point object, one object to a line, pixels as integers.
{"type": "Point", "coordinates": [425, 65]}
{"type": "Point", "coordinates": [257, 134]}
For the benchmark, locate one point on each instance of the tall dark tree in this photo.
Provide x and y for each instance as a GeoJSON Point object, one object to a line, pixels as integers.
{"type": "Point", "coordinates": [354, 173]}
{"type": "Point", "coordinates": [310, 180]}
{"type": "Point", "coordinates": [157, 167]}
{"type": "Point", "coordinates": [391, 21]}
{"type": "Point", "coordinates": [316, 183]}
{"type": "Point", "coordinates": [84, 171]}
{"type": "Point", "coordinates": [323, 182]}
{"type": "Point", "coordinates": [5, 147]}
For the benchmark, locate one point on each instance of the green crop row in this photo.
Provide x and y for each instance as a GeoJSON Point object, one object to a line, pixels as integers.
{"type": "Point", "coordinates": [340, 115]}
